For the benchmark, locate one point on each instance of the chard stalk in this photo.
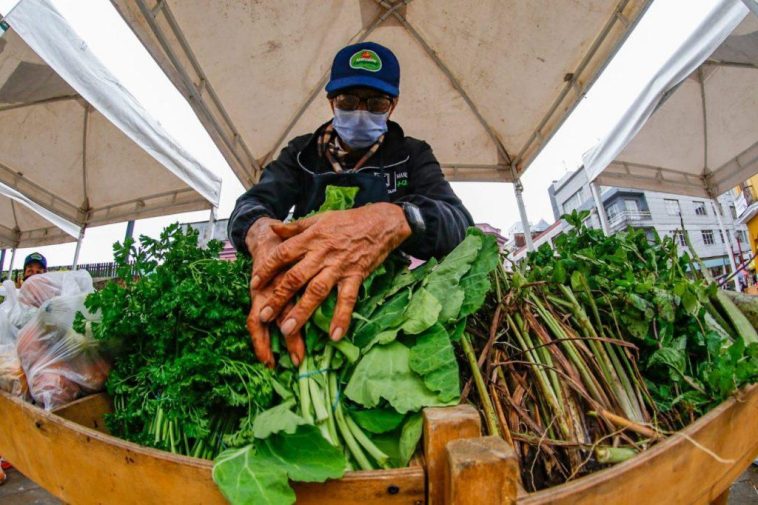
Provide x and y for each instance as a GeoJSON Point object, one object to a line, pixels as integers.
{"type": "Point", "coordinates": [352, 445]}
{"type": "Point", "coordinates": [317, 397]}
{"type": "Point", "coordinates": [305, 396]}
{"type": "Point", "coordinates": [380, 457]}
{"type": "Point", "coordinates": [489, 411]}
{"type": "Point", "coordinates": [326, 364]}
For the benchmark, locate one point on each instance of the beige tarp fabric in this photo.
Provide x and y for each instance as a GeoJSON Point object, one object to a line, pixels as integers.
{"type": "Point", "coordinates": [703, 138]}
{"type": "Point", "coordinates": [486, 83]}
{"type": "Point", "coordinates": [22, 223]}
{"type": "Point", "coordinates": [64, 152]}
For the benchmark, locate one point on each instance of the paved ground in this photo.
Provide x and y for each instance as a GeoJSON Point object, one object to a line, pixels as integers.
{"type": "Point", "coordinates": [18, 490]}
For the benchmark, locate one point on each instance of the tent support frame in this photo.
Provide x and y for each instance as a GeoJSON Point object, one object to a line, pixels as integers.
{"type": "Point", "coordinates": [78, 248]}
{"type": "Point", "coordinates": [600, 209]}
{"type": "Point", "coordinates": [518, 188]}
{"type": "Point", "coordinates": [727, 242]}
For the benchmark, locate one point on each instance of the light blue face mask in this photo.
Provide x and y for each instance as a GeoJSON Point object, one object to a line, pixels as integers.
{"type": "Point", "coordinates": [359, 128]}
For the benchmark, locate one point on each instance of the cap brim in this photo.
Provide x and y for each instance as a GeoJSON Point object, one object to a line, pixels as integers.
{"type": "Point", "coordinates": [361, 80]}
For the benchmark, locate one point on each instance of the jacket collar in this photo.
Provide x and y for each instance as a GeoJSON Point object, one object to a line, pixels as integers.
{"type": "Point", "coordinates": [392, 151]}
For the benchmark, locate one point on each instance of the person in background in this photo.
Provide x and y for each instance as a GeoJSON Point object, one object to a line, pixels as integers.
{"type": "Point", "coordinates": [34, 264]}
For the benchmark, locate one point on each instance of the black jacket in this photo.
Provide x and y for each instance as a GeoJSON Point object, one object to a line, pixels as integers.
{"type": "Point", "coordinates": [405, 165]}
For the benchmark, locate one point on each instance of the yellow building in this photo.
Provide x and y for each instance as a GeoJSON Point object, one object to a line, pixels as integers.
{"type": "Point", "coordinates": [746, 208]}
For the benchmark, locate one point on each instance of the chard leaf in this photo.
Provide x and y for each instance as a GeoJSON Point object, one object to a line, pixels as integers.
{"type": "Point", "coordinates": [443, 282]}
{"type": "Point", "coordinates": [248, 476]}
{"type": "Point", "coordinates": [388, 316]}
{"type": "Point", "coordinates": [377, 420]}
{"type": "Point", "coordinates": [305, 455]}
{"type": "Point", "coordinates": [277, 419]}
{"type": "Point", "coordinates": [384, 373]}
{"type": "Point", "coordinates": [422, 312]}
{"type": "Point", "coordinates": [476, 283]}
{"type": "Point", "coordinates": [409, 438]}
{"type": "Point", "coordinates": [245, 479]}
{"type": "Point", "coordinates": [433, 358]}
{"type": "Point", "coordinates": [339, 198]}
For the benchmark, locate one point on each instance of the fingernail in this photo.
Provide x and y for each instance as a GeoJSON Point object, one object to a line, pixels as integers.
{"type": "Point", "coordinates": [288, 326]}
{"type": "Point", "coordinates": [295, 359]}
{"type": "Point", "coordinates": [337, 334]}
{"type": "Point", "coordinates": [266, 314]}
{"type": "Point", "coordinates": [256, 281]}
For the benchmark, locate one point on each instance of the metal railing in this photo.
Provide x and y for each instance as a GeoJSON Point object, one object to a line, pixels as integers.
{"type": "Point", "coordinates": [628, 218]}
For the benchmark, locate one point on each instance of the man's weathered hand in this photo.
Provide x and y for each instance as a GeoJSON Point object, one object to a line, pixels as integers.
{"type": "Point", "coordinates": [261, 241]}
{"type": "Point", "coordinates": [338, 248]}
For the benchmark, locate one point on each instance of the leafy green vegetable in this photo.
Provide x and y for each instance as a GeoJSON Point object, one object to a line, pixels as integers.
{"type": "Point", "coordinates": [277, 419]}
{"type": "Point", "coordinates": [185, 379]}
{"type": "Point", "coordinates": [260, 474]}
{"type": "Point", "coordinates": [378, 420]}
{"type": "Point", "coordinates": [385, 374]}
{"type": "Point", "coordinates": [409, 437]}
{"type": "Point", "coordinates": [433, 358]}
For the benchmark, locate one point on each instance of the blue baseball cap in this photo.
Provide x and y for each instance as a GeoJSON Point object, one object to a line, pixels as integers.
{"type": "Point", "coordinates": [35, 256]}
{"type": "Point", "coordinates": [365, 64]}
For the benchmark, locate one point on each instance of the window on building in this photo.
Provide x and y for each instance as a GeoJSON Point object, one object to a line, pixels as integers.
{"type": "Point", "coordinates": [733, 211]}
{"type": "Point", "coordinates": [741, 236]}
{"type": "Point", "coordinates": [721, 236]}
{"type": "Point", "coordinates": [672, 207]}
{"type": "Point", "coordinates": [679, 237]}
{"type": "Point", "coordinates": [700, 208]}
{"type": "Point", "coordinates": [574, 202]}
{"type": "Point", "coordinates": [707, 237]}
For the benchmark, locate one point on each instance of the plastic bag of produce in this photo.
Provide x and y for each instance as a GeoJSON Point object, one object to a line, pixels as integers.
{"type": "Point", "coordinates": [11, 318]}
{"type": "Point", "coordinates": [38, 289]}
{"type": "Point", "coordinates": [12, 377]}
{"type": "Point", "coordinates": [60, 364]}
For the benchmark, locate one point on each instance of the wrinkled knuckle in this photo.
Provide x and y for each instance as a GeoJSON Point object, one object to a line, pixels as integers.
{"type": "Point", "coordinates": [319, 288]}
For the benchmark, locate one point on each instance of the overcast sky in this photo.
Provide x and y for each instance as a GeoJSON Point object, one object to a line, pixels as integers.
{"type": "Point", "coordinates": [659, 33]}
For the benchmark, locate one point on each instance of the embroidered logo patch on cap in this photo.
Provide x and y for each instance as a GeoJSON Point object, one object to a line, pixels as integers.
{"type": "Point", "coordinates": [366, 59]}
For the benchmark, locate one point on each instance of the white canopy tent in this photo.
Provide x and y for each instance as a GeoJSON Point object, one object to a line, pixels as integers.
{"type": "Point", "coordinates": [75, 142]}
{"type": "Point", "coordinates": [692, 130]}
{"type": "Point", "coordinates": [486, 83]}
{"type": "Point", "coordinates": [25, 224]}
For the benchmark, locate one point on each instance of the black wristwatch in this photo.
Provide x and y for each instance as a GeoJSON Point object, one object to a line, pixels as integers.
{"type": "Point", "coordinates": [414, 217]}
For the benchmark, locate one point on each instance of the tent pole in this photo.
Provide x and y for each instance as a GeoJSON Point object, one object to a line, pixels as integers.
{"type": "Point", "coordinates": [129, 230]}
{"type": "Point", "coordinates": [2, 259]}
{"type": "Point", "coordinates": [600, 209]}
{"type": "Point", "coordinates": [211, 225]}
{"type": "Point", "coordinates": [78, 248]}
{"type": "Point", "coordinates": [727, 243]}
{"type": "Point", "coordinates": [10, 266]}
{"type": "Point", "coordinates": [518, 188]}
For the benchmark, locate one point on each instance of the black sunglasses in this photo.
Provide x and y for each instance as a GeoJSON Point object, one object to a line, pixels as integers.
{"type": "Point", "coordinates": [374, 104]}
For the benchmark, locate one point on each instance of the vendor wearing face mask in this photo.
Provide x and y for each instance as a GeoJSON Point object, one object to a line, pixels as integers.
{"type": "Point", "coordinates": [403, 202]}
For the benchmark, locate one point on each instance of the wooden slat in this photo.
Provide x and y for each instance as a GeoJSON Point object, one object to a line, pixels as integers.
{"type": "Point", "coordinates": [88, 411]}
{"type": "Point", "coordinates": [675, 470]}
{"type": "Point", "coordinates": [481, 470]}
{"type": "Point", "coordinates": [83, 466]}
{"type": "Point", "coordinates": [441, 425]}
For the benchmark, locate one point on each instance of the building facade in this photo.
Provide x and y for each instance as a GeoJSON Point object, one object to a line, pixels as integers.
{"type": "Point", "coordinates": [746, 204]}
{"type": "Point", "coordinates": [664, 213]}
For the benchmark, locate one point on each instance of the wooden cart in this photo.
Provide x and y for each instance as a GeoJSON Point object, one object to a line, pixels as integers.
{"type": "Point", "coordinates": [70, 454]}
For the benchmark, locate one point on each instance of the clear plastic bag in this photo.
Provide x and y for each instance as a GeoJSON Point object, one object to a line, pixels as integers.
{"type": "Point", "coordinates": [38, 289]}
{"type": "Point", "coordinates": [60, 364]}
{"type": "Point", "coordinates": [12, 377]}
